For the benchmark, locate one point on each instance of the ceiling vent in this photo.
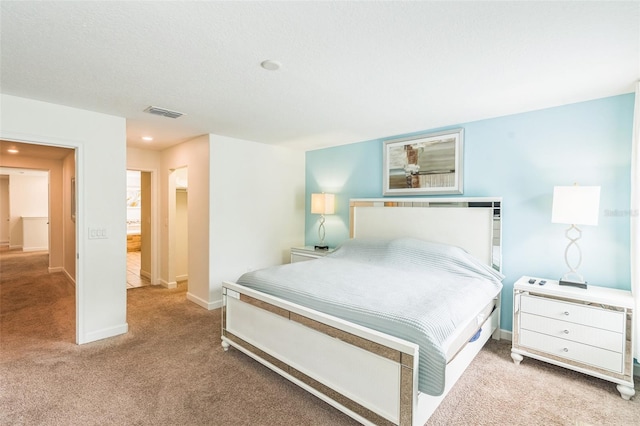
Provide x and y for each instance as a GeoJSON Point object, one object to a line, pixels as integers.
{"type": "Point", "coordinates": [163, 112]}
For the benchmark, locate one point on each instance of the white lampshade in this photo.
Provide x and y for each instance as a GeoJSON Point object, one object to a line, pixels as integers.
{"type": "Point", "coordinates": [576, 205]}
{"type": "Point", "coordinates": [323, 203]}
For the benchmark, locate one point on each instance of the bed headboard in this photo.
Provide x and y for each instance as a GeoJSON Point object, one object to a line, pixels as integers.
{"type": "Point", "coordinates": [473, 224]}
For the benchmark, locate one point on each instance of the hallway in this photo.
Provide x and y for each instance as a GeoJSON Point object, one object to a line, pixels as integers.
{"type": "Point", "coordinates": [36, 305]}
{"type": "Point", "coordinates": [134, 279]}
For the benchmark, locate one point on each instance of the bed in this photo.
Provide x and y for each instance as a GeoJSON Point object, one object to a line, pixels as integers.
{"type": "Point", "coordinates": [390, 364]}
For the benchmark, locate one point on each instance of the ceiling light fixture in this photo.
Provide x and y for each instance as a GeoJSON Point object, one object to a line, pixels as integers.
{"type": "Point", "coordinates": [271, 65]}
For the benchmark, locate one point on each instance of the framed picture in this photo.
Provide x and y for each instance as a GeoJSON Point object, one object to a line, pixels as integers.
{"type": "Point", "coordinates": [426, 164]}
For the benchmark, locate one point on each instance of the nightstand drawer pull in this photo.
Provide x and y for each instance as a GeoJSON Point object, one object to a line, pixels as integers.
{"type": "Point", "coordinates": [598, 357]}
{"type": "Point", "coordinates": [566, 330]}
{"type": "Point", "coordinates": [572, 312]}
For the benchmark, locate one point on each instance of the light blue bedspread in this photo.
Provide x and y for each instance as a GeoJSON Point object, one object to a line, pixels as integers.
{"type": "Point", "coordinates": [409, 288]}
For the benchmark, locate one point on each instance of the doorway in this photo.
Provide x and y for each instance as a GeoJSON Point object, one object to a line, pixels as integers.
{"type": "Point", "coordinates": [39, 226]}
{"type": "Point", "coordinates": [138, 233]}
{"type": "Point", "coordinates": [178, 260]}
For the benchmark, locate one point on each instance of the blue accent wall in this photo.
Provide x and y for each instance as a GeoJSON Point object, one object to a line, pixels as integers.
{"type": "Point", "coordinates": [520, 158]}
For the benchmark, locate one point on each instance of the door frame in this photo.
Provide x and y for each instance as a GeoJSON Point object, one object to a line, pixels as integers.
{"type": "Point", "coordinates": [155, 232]}
{"type": "Point", "coordinates": [79, 223]}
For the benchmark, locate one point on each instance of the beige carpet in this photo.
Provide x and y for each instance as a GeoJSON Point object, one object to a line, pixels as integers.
{"type": "Point", "coordinates": [170, 370]}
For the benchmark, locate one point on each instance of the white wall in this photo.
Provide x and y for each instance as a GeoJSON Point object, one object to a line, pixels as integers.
{"type": "Point", "coordinates": [100, 141]}
{"type": "Point", "coordinates": [245, 209]}
{"type": "Point", "coordinates": [27, 192]}
{"type": "Point", "coordinates": [193, 154]}
{"type": "Point", "coordinates": [182, 235]}
{"type": "Point", "coordinates": [28, 197]}
{"type": "Point", "coordinates": [257, 207]}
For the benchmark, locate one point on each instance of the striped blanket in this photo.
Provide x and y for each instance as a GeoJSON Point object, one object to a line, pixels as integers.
{"type": "Point", "coordinates": [412, 289]}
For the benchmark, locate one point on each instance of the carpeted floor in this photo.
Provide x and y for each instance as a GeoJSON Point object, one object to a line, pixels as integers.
{"type": "Point", "coordinates": [171, 370]}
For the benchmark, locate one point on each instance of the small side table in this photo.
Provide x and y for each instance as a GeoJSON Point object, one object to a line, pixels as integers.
{"type": "Point", "coordinates": [586, 330]}
{"type": "Point", "coordinates": [300, 254]}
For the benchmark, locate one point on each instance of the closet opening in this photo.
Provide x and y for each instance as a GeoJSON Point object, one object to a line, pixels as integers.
{"type": "Point", "coordinates": [178, 264]}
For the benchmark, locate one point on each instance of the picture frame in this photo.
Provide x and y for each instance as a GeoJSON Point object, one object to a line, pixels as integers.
{"type": "Point", "coordinates": [427, 164]}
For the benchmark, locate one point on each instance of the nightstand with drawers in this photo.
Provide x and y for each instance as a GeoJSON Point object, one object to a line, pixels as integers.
{"type": "Point", "coordinates": [587, 330]}
{"type": "Point", "coordinates": [300, 254]}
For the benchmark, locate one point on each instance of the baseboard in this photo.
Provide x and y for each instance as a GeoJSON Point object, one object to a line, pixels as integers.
{"type": "Point", "coordinates": [64, 271]}
{"type": "Point", "coordinates": [104, 333]}
{"type": "Point", "coordinates": [203, 303]}
{"type": "Point", "coordinates": [167, 284]}
{"type": "Point", "coordinates": [28, 249]}
{"type": "Point", "coordinates": [69, 277]}
{"type": "Point", "coordinates": [182, 277]}
{"type": "Point", "coordinates": [506, 335]}
{"type": "Point", "coordinates": [145, 274]}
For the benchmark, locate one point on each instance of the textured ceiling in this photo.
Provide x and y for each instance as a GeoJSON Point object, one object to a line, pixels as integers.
{"type": "Point", "coordinates": [351, 71]}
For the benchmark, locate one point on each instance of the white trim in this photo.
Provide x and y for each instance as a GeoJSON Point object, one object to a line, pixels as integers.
{"type": "Point", "coordinates": [203, 303]}
{"type": "Point", "coordinates": [105, 333]}
{"type": "Point", "coordinates": [79, 171]}
{"type": "Point", "coordinates": [506, 335]}
{"type": "Point", "coordinates": [30, 249]}
{"type": "Point", "coordinates": [69, 277]}
{"type": "Point", "coordinates": [182, 277]}
{"type": "Point", "coordinates": [168, 284]}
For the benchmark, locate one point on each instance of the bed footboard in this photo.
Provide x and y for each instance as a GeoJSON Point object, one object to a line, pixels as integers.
{"type": "Point", "coordinates": [368, 375]}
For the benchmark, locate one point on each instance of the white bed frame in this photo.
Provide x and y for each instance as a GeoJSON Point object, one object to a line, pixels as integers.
{"type": "Point", "coordinates": [370, 376]}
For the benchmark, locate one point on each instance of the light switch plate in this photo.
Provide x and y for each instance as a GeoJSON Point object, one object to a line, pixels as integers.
{"type": "Point", "coordinates": [97, 233]}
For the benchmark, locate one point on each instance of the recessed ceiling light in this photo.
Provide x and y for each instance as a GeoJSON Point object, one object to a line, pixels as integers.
{"type": "Point", "coordinates": [147, 138]}
{"type": "Point", "coordinates": [12, 151]}
{"type": "Point", "coordinates": [271, 65]}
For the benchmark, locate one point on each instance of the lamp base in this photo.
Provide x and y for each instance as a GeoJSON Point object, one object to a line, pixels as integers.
{"type": "Point", "coordinates": [572, 284]}
{"type": "Point", "coordinates": [321, 247]}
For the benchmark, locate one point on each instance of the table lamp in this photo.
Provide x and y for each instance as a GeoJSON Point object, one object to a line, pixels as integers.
{"type": "Point", "coordinates": [322, 204]}
{"type": "Point", "coordinates": [575, 205]}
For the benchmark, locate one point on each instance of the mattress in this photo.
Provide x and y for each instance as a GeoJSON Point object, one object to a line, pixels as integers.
{"type": "Point", "coordinates": [456, 342]}
{"type": "Point", "coordinates": [415, 290]}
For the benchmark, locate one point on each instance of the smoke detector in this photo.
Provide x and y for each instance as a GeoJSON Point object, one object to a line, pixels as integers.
{"type": "Point", "coordinates": [163, 112]}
